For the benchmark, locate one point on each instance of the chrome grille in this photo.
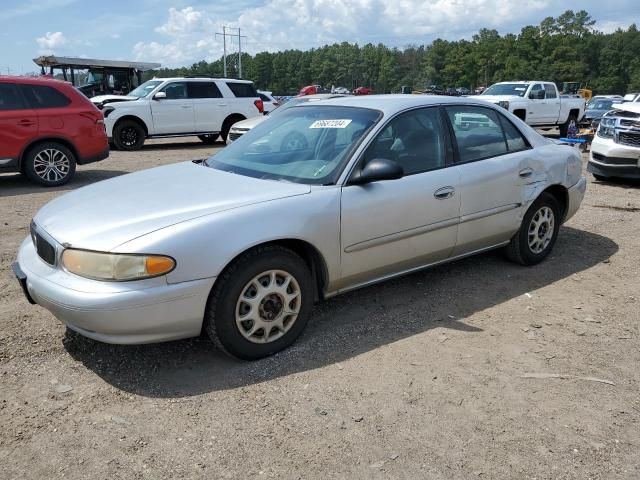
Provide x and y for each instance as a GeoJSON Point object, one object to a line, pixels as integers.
{"type": "Point", "coordinates": [629, 138]}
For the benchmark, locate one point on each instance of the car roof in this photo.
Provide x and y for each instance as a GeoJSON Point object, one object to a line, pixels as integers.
{"type": "Point", "coordinates": [200, 79]}
{"type": "Point", "coordinates": [36, 80]}
{"type": "Point", "coordinates": [390, 104]}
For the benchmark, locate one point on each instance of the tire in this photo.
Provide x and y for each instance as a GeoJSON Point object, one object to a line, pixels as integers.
{"type": "Point", "coordinates": [128, 135]}
{"type": "Point", "coordinates": [49, 164]}
{"type": "Point", "coordinates": [600, 178]}
{"type": "Point", "coordinates": [564, 128]}
{"type": "Point", "coordinates": [226, 126]}
{"type": "Point", "coordinates": [236, 296]}
{"type": "Point", "coordinates": [208, 139]}
{"type": "Point", "coordinates": [293, 141]}
{"type": "Point", "coordinates": [532, 244]}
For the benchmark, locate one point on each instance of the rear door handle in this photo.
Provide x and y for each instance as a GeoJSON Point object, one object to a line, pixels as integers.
{"type": "Point", "coordinates": [26, 123]}
{"type": "Point", "coordinates": [525, 172]}
{"type": "Point", "coordinates": [185, 106]}
{"type": "Point", "coordinates": [444, 192]}
{"type": "Point", "coordinates": [222, 104]}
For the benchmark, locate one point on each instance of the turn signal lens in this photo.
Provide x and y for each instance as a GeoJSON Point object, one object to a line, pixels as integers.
{"type": "Point", "coordinates": [115, 266]}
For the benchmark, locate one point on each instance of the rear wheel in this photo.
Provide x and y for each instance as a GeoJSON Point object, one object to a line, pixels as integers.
{"type": "Point", "coordinates": [50, 164]}
{"type": "Point", "coordinates": [226, 126]}
{"type": "Point", "coordinates": [538, 232]}
{"type": "Point", "coordinates": [208, 139]}
{"type": "Point", "coordinates": [128, 135]}
{"type": "Point", "coordinates": [260, 304]}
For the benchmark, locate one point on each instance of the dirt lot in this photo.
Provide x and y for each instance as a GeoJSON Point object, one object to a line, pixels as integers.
{"type": "Point", "coordinates": [435, 375]}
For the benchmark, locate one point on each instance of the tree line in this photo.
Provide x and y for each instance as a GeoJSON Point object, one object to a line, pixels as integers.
{"type": "Point", "coordinates": [566, 48]}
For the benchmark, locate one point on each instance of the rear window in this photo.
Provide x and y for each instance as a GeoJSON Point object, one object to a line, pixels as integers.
{"type": "Point", "coordinates": [10, 97]}
{"type": "Point", "coordinates": [203, 90]}
{"type": "Point", "coordinates": [40, 96]}
{"type": "Point", "coordinates": [242, 89]}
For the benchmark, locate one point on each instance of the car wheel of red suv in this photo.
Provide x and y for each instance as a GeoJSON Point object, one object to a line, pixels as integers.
{"type": "Point", "coordinates": [50, 164]}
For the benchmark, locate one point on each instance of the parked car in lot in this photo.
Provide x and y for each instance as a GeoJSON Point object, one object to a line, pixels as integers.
{"type": "Point", "coordinates": [240, 128]}
{"type": "Point", "coordinates": [596, 108]}
{"type": "Point", "coordinates": [241, 245]}
{"type": "Point", "coordinates": [615, 149]}
{"type": "Point", "coordinates": [363, 91]}
{"type": "Point", "coordinates": [537, 103]}
{"type": "Point", "coordinates": [269, 102]}
{"type": "Point", "coordinates": [46, 128]}
{"type": "Point", "coordinates": [173, 107]}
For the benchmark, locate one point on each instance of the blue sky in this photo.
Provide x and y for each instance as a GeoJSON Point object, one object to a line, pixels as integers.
{"type": "Point", "coordinates": [177, 32]}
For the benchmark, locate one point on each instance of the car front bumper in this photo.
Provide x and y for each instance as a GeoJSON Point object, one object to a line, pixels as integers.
{"type": "Point", "coordinates": [145, 311]}
{"type": "Point", "coordinates": [610, 159]}
{"type": "Point", "coordinates": [576, 195]}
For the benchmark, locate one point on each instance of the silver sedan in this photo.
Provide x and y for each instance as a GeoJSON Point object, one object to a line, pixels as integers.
{"type": "Point", "coordinates": [242, 244]}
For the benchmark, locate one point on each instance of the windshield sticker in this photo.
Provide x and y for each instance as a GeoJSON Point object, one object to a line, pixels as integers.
{"type": "Point", "coordinates": [341, 123]}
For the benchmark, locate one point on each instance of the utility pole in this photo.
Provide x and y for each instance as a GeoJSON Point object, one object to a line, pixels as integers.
{"type": "Point", "coordinates": [224, 35]}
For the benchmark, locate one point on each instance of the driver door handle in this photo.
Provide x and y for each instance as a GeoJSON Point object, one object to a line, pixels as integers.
{"type": "Point", "coordinates": [525, 172]}
{"type": "Point", "coordinates": [444, 192]}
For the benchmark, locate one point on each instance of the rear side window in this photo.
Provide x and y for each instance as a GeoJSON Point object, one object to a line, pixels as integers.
{"type": "Point", "coordinates": [242, 89]}
{"type": "Point", "coordinates": [263, 97]}
{"type": "Point", "coordinates": [10, 98]}
{"type": "Point", "coordinates": [477, 131]}
{"type": "Point", "coordinates": [203, 90]}
{"type": "Point", "coordinates": [515, 140]}
{"type": "Point", "coordinates": [550, 91]}
{"type": "Point", "coordinates": [41, 96]}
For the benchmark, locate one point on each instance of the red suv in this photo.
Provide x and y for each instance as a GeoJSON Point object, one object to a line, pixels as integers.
{"type": "Point", "coordinates": [46, 128]}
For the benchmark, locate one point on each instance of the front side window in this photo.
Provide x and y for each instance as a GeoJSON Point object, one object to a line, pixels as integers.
{"type": "Point", "coordinates": [203, 90]}
{"type": "Point", "coordinates": [305, 144]}
{"type": "Point", "coordinates": [242, 90]}
{"type": "Point", "coordinates": [414, 139]}
{"type": "Point", "coordinates": [41, 96]}
{"type": "Point", "coordinates": [10, 97]}
{"type": "Point", "coordinates": [477, 132]}
{"type": "Point", "coordinates": [537, 92]}
{"type": "Point", "coordinates": [175, 90]}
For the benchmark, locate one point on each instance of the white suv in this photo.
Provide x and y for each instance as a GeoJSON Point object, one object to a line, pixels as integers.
{"type": "Point", "coordinates": [172, 107]}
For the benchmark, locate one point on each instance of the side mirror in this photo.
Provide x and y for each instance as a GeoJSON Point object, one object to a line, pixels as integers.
{"type": "Point", "coordinates": [160, 96]}
{"type": "Point", "coordinates": [376, 170]}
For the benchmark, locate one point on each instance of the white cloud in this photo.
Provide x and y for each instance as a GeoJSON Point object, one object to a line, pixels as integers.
{"type": "Point", "coordinates": [611, 26]}
{"type": "Point", "coordinates": [51, 41]}
{"type": "Point", "coordinates": [286, 24]}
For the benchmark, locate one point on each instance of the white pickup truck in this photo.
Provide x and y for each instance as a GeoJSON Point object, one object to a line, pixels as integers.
{"type": "Point", "coordinates": [173, 107]}
{"type": "Point", "coordinates": [537, 103]}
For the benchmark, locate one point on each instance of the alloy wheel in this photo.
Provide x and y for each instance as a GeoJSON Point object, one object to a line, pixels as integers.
{"type": "Point", "coordinates": [51, 165]}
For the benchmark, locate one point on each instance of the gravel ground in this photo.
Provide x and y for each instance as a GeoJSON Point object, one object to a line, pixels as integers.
{"type": "Point", "coordinates": [476, 369]}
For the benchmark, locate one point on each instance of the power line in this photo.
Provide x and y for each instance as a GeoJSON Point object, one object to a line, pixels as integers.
{"type": "Point", "coordinates": [224, 36]}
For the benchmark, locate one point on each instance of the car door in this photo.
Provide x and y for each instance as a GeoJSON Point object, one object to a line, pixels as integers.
{"type": "Point", "coordinates": [551, 103]}
{"type": "Point", "coordinates": [536, 109]}
{"type": "Point", "coordinates": [18, 125]}
{"type": "Point", "coordinates": [173, 114]}
{"type": "Point", "coordinates": [208, 105]}
{"type": "Point", "coordinates": [393, 226]}
{"type": "Point", "coordinates": [495, 164]}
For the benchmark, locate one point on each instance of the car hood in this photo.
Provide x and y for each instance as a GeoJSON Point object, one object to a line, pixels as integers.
{"type": "Point", "coordinates": [595, 113]}
{"type": "Point", "coordinates": [112, 98]}
{"type": "Point", "coordinates": [497, 98]}
{"type": "Point", "coordinates": [249, 123]}
{"type": "Point", "coordinates": [109, 213]}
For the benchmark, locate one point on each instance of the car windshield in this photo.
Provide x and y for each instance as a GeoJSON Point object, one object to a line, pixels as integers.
{"type": "Point", "coordinates": [308, 144]}
{"type": "Point", "coordinates": [600, 105]}
{"type": "Point", "coordinates": [144, 89]}
{"type": "Point", "coordinates": [517, 89]}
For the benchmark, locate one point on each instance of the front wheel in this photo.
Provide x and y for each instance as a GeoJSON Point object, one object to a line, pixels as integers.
{"type": "Point", "coordinates": [208, 139]}
{"type": "Point", "coordinates": [50, 164]}
{"type": "Point", "coordinates": [538, 232]}
{"type": "Point", "coordinates": [128, 135]}
{"type": "Point", "coordinates": [260, 304]}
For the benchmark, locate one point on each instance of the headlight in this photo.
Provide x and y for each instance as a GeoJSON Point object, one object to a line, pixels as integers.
{"type": "Point", "coordinates": [115, 266]}
{"type": "Point", "coordinates": [607, 127]}
{"type": "Point", "coordinates": [107, 111]}
{"type": "Point", "coordinates": [504, 104]}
